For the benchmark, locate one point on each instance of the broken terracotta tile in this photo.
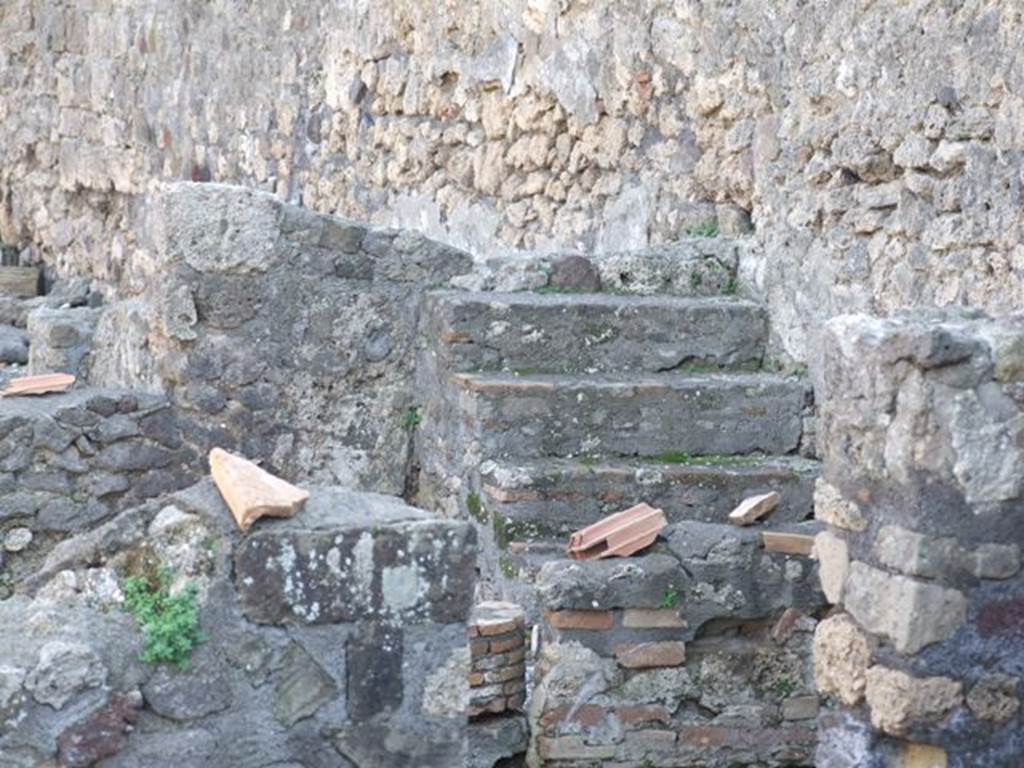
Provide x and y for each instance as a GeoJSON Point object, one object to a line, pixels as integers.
{"type": "Point", "coordinates": [39, 385]}
{"type": "Point", "coordinates": [251, 492]}
{"type": "Point", "coordinates": [787, 543]}
{"type": "Point", "coordinates": [619, 535]}
{"type": "Point", "coordinates": [753, 508]}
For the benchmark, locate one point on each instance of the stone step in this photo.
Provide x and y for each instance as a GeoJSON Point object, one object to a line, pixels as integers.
{"type": "Point", "coordinates": [546, 500]}
{"type": "Point", "coordinates": [625, 415]}
{"type": "Point", "coordinates": [573, 333]}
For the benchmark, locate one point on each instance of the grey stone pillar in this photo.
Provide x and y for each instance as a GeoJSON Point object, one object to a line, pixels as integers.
{"type": "Point", "coordinates": [922, 489]}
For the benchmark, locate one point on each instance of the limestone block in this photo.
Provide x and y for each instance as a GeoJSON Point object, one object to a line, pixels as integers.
{"type": "Point", "coordinates": [842, 656]}
{"type": "Point", "coordinates": [831, 507]}
{"type": "Point", "coordinates": [995, 698]}
{"type": "Point", "coordinates": [916, 554]}
{"type": "Point", "coordinates": [913, 613]}
{"type": "Point", "coordinates": [898, 700]}
{"type": "Point", "coordinates": [832, 554]}
{"type": "Point", "coordinates": [251, 492]}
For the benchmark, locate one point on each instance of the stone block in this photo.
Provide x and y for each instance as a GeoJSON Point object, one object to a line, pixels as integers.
{"type": "Point", "coordinates": [830, 506]}
{"type": "Point", "coordinates": [652, 618]}
{"type": "Point", "coordinates": [580, 619]}
{"type": "Point", "coordinates": [637, 582]}
{"type": "Point", "coordinates": [914, 614]}
{"type": "Point", "coordinates": [653, 654]}
{"type": "Point", "coordinates": [354, 557]}
{"type": "Point", "coordinates": [995, 697]}
{"type": "Point", "coordinates": [842, 655]}
{"type": "Point", "coordinates": [899, 701]}
{"type": "Point", "coordinates": [832, 554]}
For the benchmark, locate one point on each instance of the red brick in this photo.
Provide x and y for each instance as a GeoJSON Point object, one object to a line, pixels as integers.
{"type": "Point", "coordinates": [478, 647]}
{"type": "Point", "coordinates": [516, 702]}
{"type": "Point", "coordinates": [500, 645]}
{"type": "Point", "coordinates": [670, 653]}
{"type": "Point", "coordinates": [504, 674]}
{"type": "Point", "coordinates": [476, 678]}
{"type": "Point", "coordinates": [514, 657]}
{"type": "Point", "coordinates": [594, 715]}
{"type": "Point", "coordinates": [580, 619]}
{"type": "Point", "coordinates": [714, 736]}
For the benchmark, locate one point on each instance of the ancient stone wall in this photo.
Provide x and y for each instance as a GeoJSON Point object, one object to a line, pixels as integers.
{"type": "Point", "coordinates": [875, 147]}
{"type": "Point", "coordinates": [334, 639]}
{"type": "Point", "coordinates": [695, 653]}
{"type": "Point", "coordinates": [280, 333]}
{"type": "Point", "coordinates": [922, 493]}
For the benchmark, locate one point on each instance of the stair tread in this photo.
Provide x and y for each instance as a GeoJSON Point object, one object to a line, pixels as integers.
{"type": "Point", "coordinates": [548, 498]}
{"type": "Point", "coordinates": [676, 380]}
{"type": "Point", "coordinates": [611, 300]}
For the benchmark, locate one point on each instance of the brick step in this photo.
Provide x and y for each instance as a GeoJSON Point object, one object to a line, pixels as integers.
{"type": "Point", "coordinates": [622, 415]}
{"type": "Point", "coordinates": [546, 500]}
{"type": "Point", "coordinates": [575, 333]}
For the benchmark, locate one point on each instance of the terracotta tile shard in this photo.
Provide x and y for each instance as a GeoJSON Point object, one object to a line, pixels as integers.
{"type": "Point", "coordinates": [251, 492]}
{"type": "Point", "coordinates": [753, 508]}
{"type": "Point", "coordinates": [39, 385]}
{"type": "Point", "coordinates": [619, 535]}
{"type": "Point", "coordinates": [787, 543]}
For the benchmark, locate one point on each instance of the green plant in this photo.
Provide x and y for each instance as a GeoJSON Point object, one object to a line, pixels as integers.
{"type": "Point", "coordinates": [731, 287]}
{"type": "Point", "coordinates": [705, 229]}
{"type": "Point", "coordinates": [785, 687]}
{"type": "Point", "coordinates": [696, 278]}
{"type": "Point", "coordinates": [508, 569]}
{"type": "Point", "coordinates": [673, 457]}
{"type": "Point", "coordinates": [412, 418]}
{"type": "Point", "coordinates": [475, 507]}
{"type": "Point", "coordinates": [169, 623]}
{"type": "Point", "coordinates": [670, 598]}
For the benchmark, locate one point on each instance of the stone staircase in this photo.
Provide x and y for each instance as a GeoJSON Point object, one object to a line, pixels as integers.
{"type": "Point", "coordinates": [546, 411]}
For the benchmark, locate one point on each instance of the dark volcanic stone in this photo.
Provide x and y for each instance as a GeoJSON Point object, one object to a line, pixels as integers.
{"type": "Point", "coordinates": [103, 734]}
{"type": "Point", "coordinates": [576, 274]}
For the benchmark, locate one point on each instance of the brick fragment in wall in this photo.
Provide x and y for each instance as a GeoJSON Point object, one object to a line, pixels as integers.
{"type": "Point", "coordinates": [652, 654]}
{"type": "Point", "coordinates": [590, 620]}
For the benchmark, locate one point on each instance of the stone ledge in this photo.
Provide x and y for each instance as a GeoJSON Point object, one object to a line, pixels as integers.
{"type": "Point", "coordinates": [354, 557]}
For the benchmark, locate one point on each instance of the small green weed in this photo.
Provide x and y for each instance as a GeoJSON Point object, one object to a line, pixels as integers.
{"type": "Point", "coordinates": [731, 287]}
{"type": "Point", "coordinates": [412, 418]}
{"type": "Point", "coordinates": [506, 566]}
{"type": "Point", "coordinates": [169, 623]}
{"type": "Point", "coordinates": [673, 457]}
{"type": "Point", "coordinates": [475, 507]}
{"type": "Point", "coordinates": [785, 688]}
{"type": "Point", "coordinates": [670, 599]}
{"type": "Point", "coordinates": [696, 279]}
{"type": "Point", "coordinates": [706, 229]}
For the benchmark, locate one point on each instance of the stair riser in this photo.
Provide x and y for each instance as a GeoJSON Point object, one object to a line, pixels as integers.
{"type": "Point", "coordinates": [577, 420]}
{"type": "Point", "coordinates": [555, 506]}
{"type": "Point", "coordinates": [577, 337]}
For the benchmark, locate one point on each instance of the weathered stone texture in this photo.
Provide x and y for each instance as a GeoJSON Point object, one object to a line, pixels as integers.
{"type": "Point", "coordinates": [921, 417]}
{"type": "Point", "coordinates": [524, 124]}
{"type": "Point", "coordinates": [676, 657]}
{"type": "Point", "coordinates": [387, 689]}
{"type": "Point", "coordinates": [283, 335]}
